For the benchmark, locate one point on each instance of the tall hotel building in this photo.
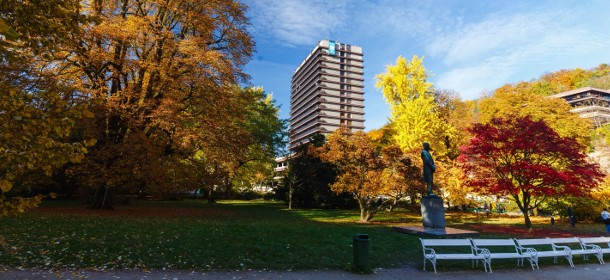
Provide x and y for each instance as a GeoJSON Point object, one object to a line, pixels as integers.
{"type": "Point", "coordinates": [327, 92]}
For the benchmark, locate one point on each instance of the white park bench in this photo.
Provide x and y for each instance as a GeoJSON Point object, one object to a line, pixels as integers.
{"type": "Point", "coordinates": [545, 248]}
{"type": "Point", "coordinates": [578, 248]}
{"type": "Point", "coordinates": [467, 252]}
{"type": "Point", "coordinates": [505, 249]}
{"type": "Point", "coordinates": [603, 242]}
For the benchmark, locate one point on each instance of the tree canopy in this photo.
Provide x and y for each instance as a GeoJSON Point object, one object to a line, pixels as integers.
{"type": "Point", "coordinates": [522, 100]}
{"type": "Point", "coordinates": [528, 161]}
{"type": "Point", "coordinates": [132, 93]}
{"type": "Point", "coordinates": [415, 115]}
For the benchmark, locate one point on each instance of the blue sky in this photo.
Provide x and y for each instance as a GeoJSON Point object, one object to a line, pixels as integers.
{"type": "Point", "coordinates": [469, 46]}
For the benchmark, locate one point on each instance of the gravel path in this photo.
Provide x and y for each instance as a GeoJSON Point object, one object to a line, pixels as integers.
{"type": "Point", "coordinates": [558, 272]}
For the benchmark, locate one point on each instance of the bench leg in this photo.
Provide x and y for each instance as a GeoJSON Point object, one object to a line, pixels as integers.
{"type": "Point", "coordinates": [600, 258]}
{"type": "Point", "coordinates": [570, 260]}
{"type": "Point", "coordinates": [432, 261]}
{"type": "Point", "coordinates": [533, 263]}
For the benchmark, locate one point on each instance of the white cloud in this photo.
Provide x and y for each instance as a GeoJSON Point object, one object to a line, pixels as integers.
{"type": "Point", "coordinates": [395, 19]}
{"type": "Point", "coordinates": [297, 22]}
{"type": "Point", "coordinates": [507, 48]}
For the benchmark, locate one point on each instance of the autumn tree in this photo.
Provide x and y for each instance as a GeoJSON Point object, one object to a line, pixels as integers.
{"type": "Point", "coordinates": [160, 77]}
{"type": "Point", "coordinates": [523, 100]}
{"type": "Point", "coordinates": [528, 161]}
{"type": "Point", "coordinates": [401, 177]}
{"type": "Point", "coordinates": [414, 112]}
{"type": "Point", "coordinates": [359, 169]}
{"type": "Point", "coordinates": [38, 111]}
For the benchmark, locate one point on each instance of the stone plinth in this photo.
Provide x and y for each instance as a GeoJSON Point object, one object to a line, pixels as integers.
{"type": "Point", "coordinates": [433, 212]}
{"type": "Point", "coordinates": [446, 232]}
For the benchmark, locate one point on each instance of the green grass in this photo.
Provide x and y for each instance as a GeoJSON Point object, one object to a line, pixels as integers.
{"type": "Point", "coordinates": [193, 235]}
{"type": "Point", "coordinates": [223, 236]}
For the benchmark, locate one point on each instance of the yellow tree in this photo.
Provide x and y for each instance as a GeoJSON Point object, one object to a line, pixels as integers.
{"type": "Point", "coordinates": [414, 111]}
{"type": "Point", "coordinates": [38, 111]}
{"type": "Point", "coordinates": [416, 115]}
{"type": "Point", "coordinates": [522, 100]}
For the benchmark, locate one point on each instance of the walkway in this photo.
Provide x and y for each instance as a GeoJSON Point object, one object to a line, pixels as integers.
{"type": "Point", "coordinates": [557, 272]}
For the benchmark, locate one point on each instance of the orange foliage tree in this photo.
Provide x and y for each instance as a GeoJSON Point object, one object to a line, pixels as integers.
{"type": "Point", "coordinates": [359, 168]}
{"type": "Point", "coordinates": [368, 173]}
{"type": "Point", "coordinates": [160, 78]}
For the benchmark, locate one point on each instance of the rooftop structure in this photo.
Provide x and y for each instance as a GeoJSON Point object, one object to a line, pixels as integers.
{"type": "Point", "coordinates": [589, 102]}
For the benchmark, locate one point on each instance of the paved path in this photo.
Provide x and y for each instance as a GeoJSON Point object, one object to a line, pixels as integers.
{"type": "Point", "coordinates": [558, 272]}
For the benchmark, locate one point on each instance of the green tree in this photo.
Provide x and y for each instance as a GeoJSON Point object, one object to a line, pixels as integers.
{"type": "Point", "coordinates": [308, 178]}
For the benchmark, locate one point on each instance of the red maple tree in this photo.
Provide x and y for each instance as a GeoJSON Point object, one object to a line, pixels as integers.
{"type": "Point", "coordinates": [527, 161]}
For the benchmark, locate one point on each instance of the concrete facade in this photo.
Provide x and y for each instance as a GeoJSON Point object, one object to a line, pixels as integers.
{"type": "Point", "coordinates": [327, 92]}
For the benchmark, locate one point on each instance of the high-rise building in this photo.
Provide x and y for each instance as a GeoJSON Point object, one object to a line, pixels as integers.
{"type": "Point", "coordinates": [327, 92]}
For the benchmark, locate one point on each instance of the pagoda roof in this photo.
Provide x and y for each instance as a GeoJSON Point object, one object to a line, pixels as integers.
{"type": "Point", "coordinates": [580, 90]}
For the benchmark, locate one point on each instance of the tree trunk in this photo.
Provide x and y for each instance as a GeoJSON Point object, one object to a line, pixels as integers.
{"type": "Point", "coordinates": [528, 222]}
{"type": "Point", "coordinates": [102, 199]}
{"type": "Point", "coordinates": [290, 191]}
{"type": "Point", "coordinates": [211, 194]}
{"type": "Point", "coordinates": [362, 210]}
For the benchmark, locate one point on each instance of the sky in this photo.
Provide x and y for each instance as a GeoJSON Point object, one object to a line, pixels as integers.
{"type": "Point", "coordinates": [469, 46]}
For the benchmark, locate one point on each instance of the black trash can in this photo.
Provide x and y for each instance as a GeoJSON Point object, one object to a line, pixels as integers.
{"type": "Point", "coordinates": [361, 250]}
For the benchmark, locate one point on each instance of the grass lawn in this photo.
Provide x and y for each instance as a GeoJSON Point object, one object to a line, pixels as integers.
{"type": "Point", "coordinates": [193, 234]}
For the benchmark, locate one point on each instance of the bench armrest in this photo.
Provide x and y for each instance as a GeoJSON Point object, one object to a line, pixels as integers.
{"type": "Point", "coordinates": [597, 248]}
{"type": "Point", "coordinates": [527, 251]}
{"type": "Point", "coordinates": [483, 251]}
{"type": "Point", "coordinates": [560, 247]}
{"type": "Point", "coordinates": [430, 251]}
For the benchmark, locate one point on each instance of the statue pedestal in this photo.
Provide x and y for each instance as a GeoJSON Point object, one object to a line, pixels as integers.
{"type": "Point", "coordinates": [432, 212]}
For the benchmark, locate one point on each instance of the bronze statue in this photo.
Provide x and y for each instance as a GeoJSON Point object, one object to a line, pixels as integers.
{"type": "Point", "coordinates": [428, 166]}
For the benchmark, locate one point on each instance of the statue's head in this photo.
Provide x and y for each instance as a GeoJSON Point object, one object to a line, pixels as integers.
{"type": "Point", "coordinates": [426, 146]}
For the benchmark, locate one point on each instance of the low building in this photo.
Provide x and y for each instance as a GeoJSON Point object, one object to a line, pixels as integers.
{"type": "Point", "coordinates": [589, 102]}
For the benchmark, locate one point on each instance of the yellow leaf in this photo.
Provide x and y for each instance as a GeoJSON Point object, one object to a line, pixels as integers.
{"type": "Point", "coordinates": [76, 158]}
{"type": "Point", "coordinates": [90, 142]}
{"type": "Point", "coordinates": [47, 170]}
{"type": "Point", "coordinates": [87, 114]}
{"type": "Point", "coordinates": [5, 186]}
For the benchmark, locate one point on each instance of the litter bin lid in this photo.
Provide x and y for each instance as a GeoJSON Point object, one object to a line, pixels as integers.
{"type": "Point", "coordinates": [361, 236]}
